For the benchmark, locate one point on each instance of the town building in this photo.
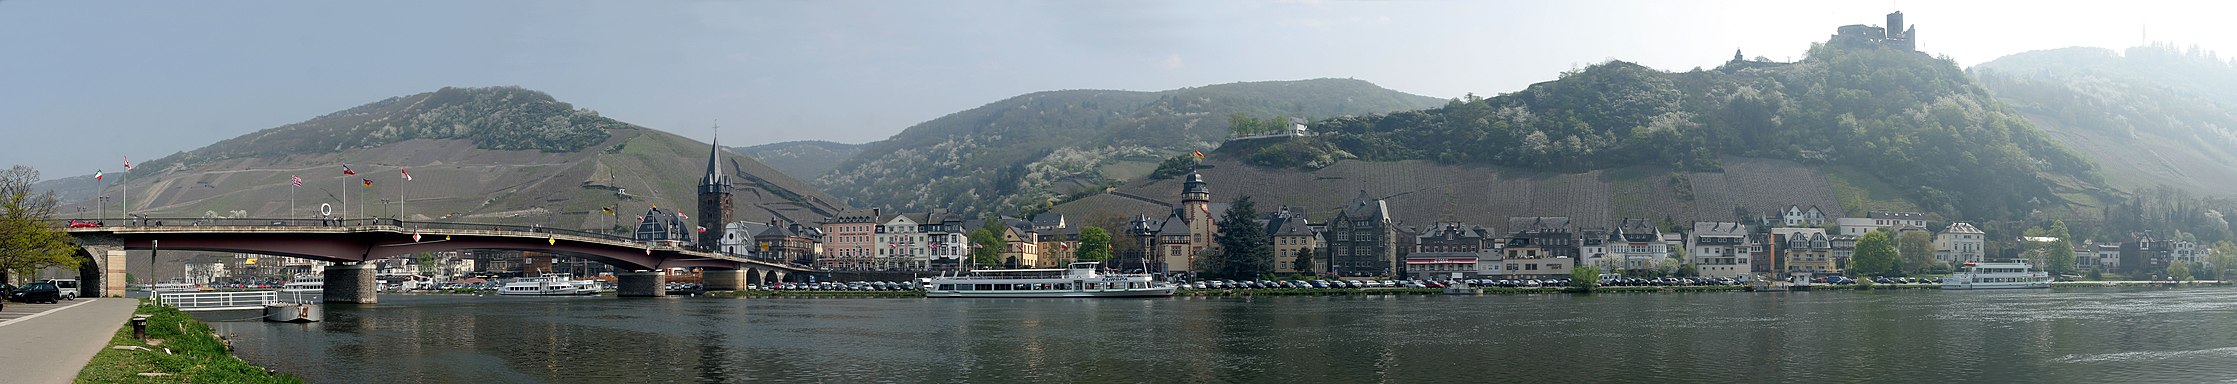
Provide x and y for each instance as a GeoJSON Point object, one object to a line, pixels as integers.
{"type": "Point", "coordinates": [1540, 247]}
{"type": "Point", "coordinates": [737, 237]}
{"type": "Point", "coordinates": [1363, 239]}
{"type": "Point", "coordinates": [1021, 245]}
{"type": "Point", "coordinates": [788, 242]}
{"type": "Point", "coordinates": [1293, 236]}
{"type": "Point", "coordinates": [666, 226]}
{"type": "Point", "coordinates": [1057, 239]}
{"type": "Point", "coordinates": [1638, 244]}
{"type": "Point", "coordinates": [2145, 255]}
{"type": "Point", "coordinates": [1803, 250]}
{"type": "Point", "coordinates": [1442, 265]}
{"type": "Point", "coordinates": [1448, 251]}
{"type": "Point", "coordinates": [1796, 216]}
{"type": "Point", "coordinates": [1719, 249]}
{"type": "Point", "coordinates": [850, 240]}
{"type": "Point", "coordinates": [949, 242]}
{"type": "Point", "coordinates": [1876, 220]}
{"type": "Point", "coordinates": [901, 243]}
{"type": "Point", "coordinates": [1172, 245]}
{"type": "Point", "coordinates": [1960, 243]}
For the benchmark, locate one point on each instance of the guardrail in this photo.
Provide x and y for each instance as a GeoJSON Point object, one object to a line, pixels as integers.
{"type": "Point", "coordinates": [217, 301]}
{"type": "Point", "coordinates": [144, 222]}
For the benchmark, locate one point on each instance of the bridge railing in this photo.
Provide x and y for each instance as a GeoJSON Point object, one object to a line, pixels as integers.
{"type": "Point", "coordinates": [141, 222]}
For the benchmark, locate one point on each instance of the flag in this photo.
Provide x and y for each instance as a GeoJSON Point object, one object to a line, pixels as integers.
{"type": "Point", "coordinates": [1198, 154]}
{"type": "Point", "coordinates": [346, 170]}
{"type": "Point", "coordinates": [97, 175]}
{"type": "Point", "coordinates": [407, 174]}
{"type": "Point", "coordinates": [127, 163]}
{"type": "Point", "coordinates": [368, 183]}
{"type": "Point", "coordinates": [702, 229]}
{"type": "Point", "coordinates": [640, 217]}
{"type": "Point", "coordinates": [609, 211]}
{"type": "Point", "coordinates": [298, 180]}
{"type": "Point", "coordinates": [681, 216]}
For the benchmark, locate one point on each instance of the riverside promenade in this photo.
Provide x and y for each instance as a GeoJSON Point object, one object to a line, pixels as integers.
{"type": "Point", "coordinates": [49, 343]}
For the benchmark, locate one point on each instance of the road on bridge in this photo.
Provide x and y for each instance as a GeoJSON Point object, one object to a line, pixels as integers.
{"type": "Point", "coordinates": [49, 343]}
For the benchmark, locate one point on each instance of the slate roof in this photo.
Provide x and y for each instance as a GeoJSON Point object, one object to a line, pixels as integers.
{"type": "Point", "coordinates": [1719, 229]}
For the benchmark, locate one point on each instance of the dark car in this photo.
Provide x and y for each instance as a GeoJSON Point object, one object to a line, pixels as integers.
{"type": "Point", "coordinates": [37, 293]}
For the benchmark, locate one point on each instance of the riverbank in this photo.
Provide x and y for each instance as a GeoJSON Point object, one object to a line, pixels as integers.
{"type": "Point", "coordinates": [179, 349]}
{"type": "Point", "coordinates": [776, 294]}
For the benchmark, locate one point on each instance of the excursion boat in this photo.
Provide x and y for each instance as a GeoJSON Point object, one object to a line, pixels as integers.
{"type": "Point", "coordinates": [1078, 280]}
{"type": "Point", "coordinates": [175, 287]}
{"type": "Point", "coordinates": [547, 285]}
{"type": "Point", "coordinates": [1997, 276]}
{"type": "Point", "coordinates": [309, 286]}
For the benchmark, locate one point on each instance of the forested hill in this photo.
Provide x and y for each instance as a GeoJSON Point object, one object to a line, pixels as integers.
{"type": "Point", "coordinates": [1024, 151]}
{"type": "Point", "coordinates": [801, 159]}
{"type": "Point", "coordinates": [1913, 121]}
{"type": "Point", "coordinates": [2152, 115]}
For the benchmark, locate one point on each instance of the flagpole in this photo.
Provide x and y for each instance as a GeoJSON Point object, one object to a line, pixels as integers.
{"type": "Point", "coordinates": [290, 201]}
{"type": "Point", "coordinates": [403, 192]}
{"type": "Point", "coordinates": [101, 194]}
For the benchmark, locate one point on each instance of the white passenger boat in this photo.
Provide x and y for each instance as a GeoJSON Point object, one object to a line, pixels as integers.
{"type": "Point", "coordinates": [304, 286]}
{"type": "Point", "coordinates": [547, 285]}
{"type": "Point", "coordinates": [176, 287]}
{"type": "Point", "coordinates": [1997, 276]}
{"type": "Point", "coordinates": [1079, 280]}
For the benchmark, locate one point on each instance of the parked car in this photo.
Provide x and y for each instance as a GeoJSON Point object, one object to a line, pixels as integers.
{"type": "Point", "coordinates": [69, 287]}
{"type": "Point", "coordinates": [36, 293]}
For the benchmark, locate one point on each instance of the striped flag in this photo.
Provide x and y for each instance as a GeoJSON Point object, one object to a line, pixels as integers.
{"type": "Point", "coordinates": [1198, 154]}
{"type": "Point", "coordinates": [368, 183]}
{"type": "Point", "coordinates": [407, 174]}
{"type": "Point", "coordinates": [97, 175]}
{"type": "Point", "coordinates": [127, 163]}
{"type": "Point", "coordinates": [298, 180]}
{"type": "Point", "coordinates": [346, 170]}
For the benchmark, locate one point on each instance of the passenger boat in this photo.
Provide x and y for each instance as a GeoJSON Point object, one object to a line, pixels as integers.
{"type": "Point", "coordinates": [1078, 280]}
{"type": "Point", "coordinates": [547, 285]}
{"type": "Point", "coordinates": [1997, 276]}
{"type": "Point", "coordinates": [176, 287]}
{"type": "Point", "coordinates": [306, 286]}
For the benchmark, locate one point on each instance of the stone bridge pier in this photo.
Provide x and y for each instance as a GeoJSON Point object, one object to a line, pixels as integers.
{"type": "Point", "coordinates": [724, 279]}
{"type": "Point", "coordinates": [101, 268]}
{"type": "Point", "coordinates": [351, 283]}
{"type": "Point", "coordinates": [641, 284]}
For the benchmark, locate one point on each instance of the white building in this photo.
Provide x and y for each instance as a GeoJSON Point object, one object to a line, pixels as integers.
{"type": "Point", "coordinates": [737, 237]}
{"type": "Point", "coordinates": [1960, 243]}
{"type": "Point", "coordinates": [1638, 242]}
{"type": "Point", "coordinates": [1796, 216]}
{"type": "Point", "coordinates": [1719, 249]}
{"type": "Point", "coordinates": [901, 244]}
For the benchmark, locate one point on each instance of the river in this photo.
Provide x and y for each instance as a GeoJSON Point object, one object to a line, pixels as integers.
{"type": "Point", "coordinates": [2063, 335]}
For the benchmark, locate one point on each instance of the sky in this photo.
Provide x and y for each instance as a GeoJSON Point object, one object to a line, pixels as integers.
{"type": "Point", "coordinates": [84, 84]}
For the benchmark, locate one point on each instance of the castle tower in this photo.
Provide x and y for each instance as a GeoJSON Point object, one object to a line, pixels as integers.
{"type": "Point", "coordinates": [1196, 204]}
{"type": "Point", "coordinates": [1895, 25]}
{"type": "Point", "coordinates": [714, 197]}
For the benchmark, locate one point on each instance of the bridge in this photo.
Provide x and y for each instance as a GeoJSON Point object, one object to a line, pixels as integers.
{"type": "Point", "coordinates": [352, 243]}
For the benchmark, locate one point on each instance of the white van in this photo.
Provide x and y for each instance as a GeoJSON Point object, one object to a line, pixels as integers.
{"type": "Point", "coordinates": [69, 287]}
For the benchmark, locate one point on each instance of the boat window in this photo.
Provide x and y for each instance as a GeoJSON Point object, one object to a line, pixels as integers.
{"type": "Point", "coordinates": [947, 287]}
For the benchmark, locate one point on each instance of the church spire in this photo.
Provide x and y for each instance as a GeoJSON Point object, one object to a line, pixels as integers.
{"type": "Point", "coordinates": [715, 181]}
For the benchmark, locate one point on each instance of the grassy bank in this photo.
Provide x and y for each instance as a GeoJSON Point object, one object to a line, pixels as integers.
{"type": "Point", "coordinates": [181, 350]}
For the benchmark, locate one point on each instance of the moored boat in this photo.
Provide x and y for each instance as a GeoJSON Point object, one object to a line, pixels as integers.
{"type": "Point", "coordinates": [1077, 280]}
{"type": "Point", "coordinates": [547, 285]}
{"type": "Point", "coordinates": [1976, 275]}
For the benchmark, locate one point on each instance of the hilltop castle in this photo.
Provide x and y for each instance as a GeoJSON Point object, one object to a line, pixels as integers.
{"type": "Point", "coordinates": [1894, 36]}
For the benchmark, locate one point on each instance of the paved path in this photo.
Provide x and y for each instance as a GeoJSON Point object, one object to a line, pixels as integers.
{"type": "Point", "coordinates": [49, 343]}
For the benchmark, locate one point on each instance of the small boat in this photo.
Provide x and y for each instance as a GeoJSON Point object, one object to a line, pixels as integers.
{"type": "Point", "coordinates": [294, 313]}
{"type": "Point", "coordinates": [685, 289]}
{"type": "Point", "coordinates": [1997, 276]}
{"type": "Point", "coordinates": [1078, 280]}
{"type": "Point", "coordinates": [586, 287]}
{"type": "Point", "coordinates": [176, 287]}
{"type": "Point", "coordinates": [547, 285]}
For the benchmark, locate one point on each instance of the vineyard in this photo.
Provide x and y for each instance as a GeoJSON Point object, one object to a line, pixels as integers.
{"type": "Point", "coordinates": [1421, 193]}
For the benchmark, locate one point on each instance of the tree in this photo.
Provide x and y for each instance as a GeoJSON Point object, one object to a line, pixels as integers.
{"type": "Point", "coordinates": [1245, 248]}
{"type": "Point", "coordinates": [1916, 249]}
{"type": "Point", "coordinates": [2223, 262]}
{"type": "Point", "coordinates": [27, 243]}
{"type": "Point", "coordinates": [1304, 263]}
{"type": "Point", "coordinates": [1875, 254]}
{"type": "Point", "coordinates": [2060, 253]}
{"type": "Point", "coordinates": [1585, 278]}
{"type": "Point", "coordinates": [2178, 270]}
{"type": "Point", "coordinates": [986, 246]}
{"type": "Point", "coordinates": [1095, 244]}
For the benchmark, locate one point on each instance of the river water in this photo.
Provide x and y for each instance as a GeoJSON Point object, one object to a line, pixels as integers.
{"type": "Point", "coordinates": [2064, 335]}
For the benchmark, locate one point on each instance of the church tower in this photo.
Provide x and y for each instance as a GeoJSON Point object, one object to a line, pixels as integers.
{"type": "Point", "coordinates": [714, 197]}
{"type": "Point", "coordinates": [1196, 206]}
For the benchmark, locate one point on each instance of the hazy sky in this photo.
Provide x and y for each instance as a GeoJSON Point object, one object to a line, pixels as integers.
{"type": "Point", "coordinates": [83, 83]}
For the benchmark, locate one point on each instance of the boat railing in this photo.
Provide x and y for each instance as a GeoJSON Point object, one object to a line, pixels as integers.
{"type": "Point", "coordinates": [217, 301]}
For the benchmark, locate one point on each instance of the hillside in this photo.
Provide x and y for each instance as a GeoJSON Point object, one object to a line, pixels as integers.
{"type": "Point", "coordinates": [2150, 116]}
{"type": "Point", "coordinates": [1901, 117]}
{"type": "Point", "coordinates": [1030, 149]}
{"type": "Point", "coordinates": [802, 160]}
{"type": "Point", "coordinates": [496, 155]}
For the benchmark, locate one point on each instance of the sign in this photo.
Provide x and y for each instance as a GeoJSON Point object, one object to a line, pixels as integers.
{"type": "Point", "coordinates": [415, 237]}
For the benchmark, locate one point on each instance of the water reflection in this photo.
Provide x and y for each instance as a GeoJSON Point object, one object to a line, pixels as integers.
{"type": "Point", "coordinates": [2062, 336]}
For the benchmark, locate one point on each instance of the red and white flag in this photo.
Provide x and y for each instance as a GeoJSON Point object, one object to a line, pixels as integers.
{"type": "Point", "coordinates": [407, 174]}
{"type": "Point", "coordinates": [127, 163]}
{"type": "Point", "coordinates": [346, 170]}
{"type": "Point", "coordinates": [97, 175]}
{"type": "Point", "coordinates": [298, 180]}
